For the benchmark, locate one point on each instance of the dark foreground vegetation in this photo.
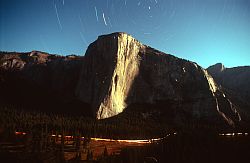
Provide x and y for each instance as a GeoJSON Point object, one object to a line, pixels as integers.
{"type": "Point", "coordinates": [122, 127]}
{"type": "Point", "coordinates": [44, 139]}
{"type": "Point", "coordinates": [180, 148]}
{"type": "Point", "coordinates": [194, 148]}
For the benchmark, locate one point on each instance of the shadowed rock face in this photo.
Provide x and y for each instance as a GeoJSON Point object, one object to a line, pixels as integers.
{"type": "Point", "coordinates": [50, 71]}
{"type": "Point", "coordinates": [119, 71]}
{"type": "Point", "coordinates": [40, 81]}
{"type": "Point", "coordinates": [236, 79]}
{"type": "Point", "coordinates": [236, 82]}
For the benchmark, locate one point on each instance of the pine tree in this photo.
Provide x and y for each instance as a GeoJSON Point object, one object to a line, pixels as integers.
{"type": "Point", "coordinates": [105, 153]}
{"type": "Point", "coordinates": [89, 155]}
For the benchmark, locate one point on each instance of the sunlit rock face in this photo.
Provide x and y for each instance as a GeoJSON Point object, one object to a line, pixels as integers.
{"type": "Point", "coordinates": [217, 68]}
{"type": "Point", "coordinates": [110, 67]}
{"type": "Point", "coordinates": [236, 82]}
{"type": "Point", "coordinates": [236, 79]}
{"type": "Point", "coordinates": [119, 71]}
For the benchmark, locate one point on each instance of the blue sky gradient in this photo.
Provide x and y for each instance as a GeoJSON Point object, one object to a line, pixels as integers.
{"type": "Point", "coordinates": [203, 31]}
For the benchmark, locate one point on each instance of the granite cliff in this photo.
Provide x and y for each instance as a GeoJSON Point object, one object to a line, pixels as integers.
{"type": "Point", "coordinates": [119, 72]}
{"type": "Point", "coordinates": [236, 79]}
{"type": "Point", "coordinates": [235, 82]}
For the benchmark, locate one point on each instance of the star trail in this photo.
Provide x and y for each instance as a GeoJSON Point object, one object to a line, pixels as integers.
{"type": "Point", "coordinates": [58, 19]}
{"type": "Point", "coordinates": [205, 32]}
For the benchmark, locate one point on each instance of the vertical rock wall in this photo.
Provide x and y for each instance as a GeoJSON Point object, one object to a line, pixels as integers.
{"type": "Point", "coordinates": [119, 71]}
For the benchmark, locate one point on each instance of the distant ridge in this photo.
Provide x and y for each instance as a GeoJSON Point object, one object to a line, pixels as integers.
{"type": "Point", "coordinates": [116, 75]}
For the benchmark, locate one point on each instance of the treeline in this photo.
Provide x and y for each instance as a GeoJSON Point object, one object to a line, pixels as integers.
{"type": "Point", "coordinates": [128, 125]}
{"type": "Point", "coordinates": [122, 127]}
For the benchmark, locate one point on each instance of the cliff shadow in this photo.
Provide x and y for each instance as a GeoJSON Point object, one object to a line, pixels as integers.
{"type": "Point", "coordinates": [158, 92]}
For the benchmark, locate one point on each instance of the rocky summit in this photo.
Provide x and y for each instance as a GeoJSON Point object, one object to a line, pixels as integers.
{"type": "Point", "coordinates": [118, 73]}
{"type": "Point", "coordinates": [235, 82]}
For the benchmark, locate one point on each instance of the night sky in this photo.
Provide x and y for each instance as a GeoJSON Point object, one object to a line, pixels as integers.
{"type": "Point", "coordinates": [204, 31]}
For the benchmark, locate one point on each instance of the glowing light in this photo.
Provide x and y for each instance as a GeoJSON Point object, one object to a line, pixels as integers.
{"type": "Point", "coordinates": [140, 141]}
{"type": "Point", "coordinates": [124, 141]}
{"type": "Point", "coordinates": [233, 134]}
{"type": "Point", "coordinates": [157, 139]}
{"type": "Point", "coordinates": [228, 134]}
{"type": "Point", "coordinates": [20, 133]}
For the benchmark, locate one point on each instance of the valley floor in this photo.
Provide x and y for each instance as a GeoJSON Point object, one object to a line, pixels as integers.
{"type": "Point", "coordinates": [226, 147]}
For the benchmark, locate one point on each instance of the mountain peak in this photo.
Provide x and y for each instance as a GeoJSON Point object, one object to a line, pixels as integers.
{"type": "Point", "coordinates": [216, 68]}
{"type": "Point", "coordinates": [117, 38]}
{"type": "Point", "coordinates": [116, 34]}
{"type": "Point", "coordinates": [120, 72]}
{"type": "Point", "coordinates": [111, 65]}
